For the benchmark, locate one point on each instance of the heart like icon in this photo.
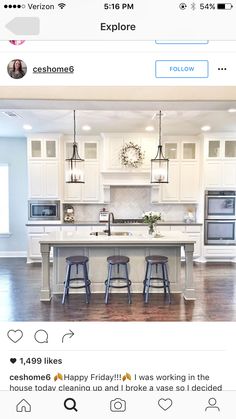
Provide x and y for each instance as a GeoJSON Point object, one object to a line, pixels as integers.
{"type": "Point", "coordinates": [165, 404]}
{"type": "Point", "coordinates": [15, 335]}
{"type": "Point", "coordinates": [13, 360]}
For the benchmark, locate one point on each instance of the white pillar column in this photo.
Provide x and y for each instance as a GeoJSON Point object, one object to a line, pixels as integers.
{"type": "Point", "coordinates": [45, 294]}
{"type": "Point", "coordinates": [189, 288]}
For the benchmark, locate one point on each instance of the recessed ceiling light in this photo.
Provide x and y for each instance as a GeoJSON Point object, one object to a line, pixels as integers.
{"type": "Point", "coordinates": [27, 127]}
{"type": "Point", "coordinates": [86, 128]}
{"type": "Point", "coordinates": [206, 128]}
{"type": "Point", "coordinates": [231, 110]}
{"type": "Point", "coordinates": [149, 128]}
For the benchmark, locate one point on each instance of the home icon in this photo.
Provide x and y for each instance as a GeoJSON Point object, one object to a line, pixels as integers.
{"type": "Point", "coordinates": [23, 406]}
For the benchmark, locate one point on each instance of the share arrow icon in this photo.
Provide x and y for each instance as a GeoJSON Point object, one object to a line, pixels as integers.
{"type": "Point", "coordinates": [68, 335]}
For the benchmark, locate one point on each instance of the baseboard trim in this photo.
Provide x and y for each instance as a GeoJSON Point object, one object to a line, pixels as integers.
{"type": "Point", "coordinates": [13, 254]}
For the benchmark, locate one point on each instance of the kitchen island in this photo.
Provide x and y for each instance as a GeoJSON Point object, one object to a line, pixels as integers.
{"type": "Point", "coordinates": [98, 248]}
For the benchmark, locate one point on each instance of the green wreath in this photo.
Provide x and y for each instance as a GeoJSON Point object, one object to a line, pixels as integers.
{"type": "Point", "coordinates": [131, 155]}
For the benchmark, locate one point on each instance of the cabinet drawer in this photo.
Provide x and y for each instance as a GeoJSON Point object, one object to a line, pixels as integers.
{"type": "Point", "coordinates": [52, 229]}
{"type": "Point", "coordinates": [193, 229]}
{"type": "Point", "coordinates": [178, 228]}
{"type": "Point", "coordinates": [33, 230]}
{"type": "Point", "coordinates": [69, 228]}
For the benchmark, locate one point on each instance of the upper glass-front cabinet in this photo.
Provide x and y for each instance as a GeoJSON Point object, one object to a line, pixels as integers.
{"type": "Point", "coordinates": [36, 149]}
{"type": "Point", "coordinates": [87, 150]}
{"type": "Point", "coordinates": [51, 151]}
{"type": "Point", "coordinates": [90, 151]}
{"type": "Point", "coordinates": [230, 148]}
{"type": "Point", "coordinates": [213, 149]}
{"type": "Point", "coordinates": [43, 148]}
{"type": "Point", "coordinates": [171, 151]}
{"type": "Point", "coordinates": [189, 151]}
{"type": "Point", "coordinates": [221, 149]}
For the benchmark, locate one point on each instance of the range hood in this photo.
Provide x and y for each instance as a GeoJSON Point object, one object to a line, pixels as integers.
{"type": "Point", "coordinates": [126, 178]}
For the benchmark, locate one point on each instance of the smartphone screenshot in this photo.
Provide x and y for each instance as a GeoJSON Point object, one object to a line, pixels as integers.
{"type": "Point", "coordinates": [117, 209]}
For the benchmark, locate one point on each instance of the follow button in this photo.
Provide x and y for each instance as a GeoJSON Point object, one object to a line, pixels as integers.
{"type": "Point", "coordinates": [182, 69]}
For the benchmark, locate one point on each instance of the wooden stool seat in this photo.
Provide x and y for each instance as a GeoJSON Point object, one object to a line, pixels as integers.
{"type": "Point", "coordinates": [74, 260]}
{"type": "Point", "coordinates": [114, 260]}
{"type": "Point", "coordinates": [156, 259]}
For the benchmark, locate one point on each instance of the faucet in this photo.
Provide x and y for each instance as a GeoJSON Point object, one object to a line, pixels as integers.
{"type": "Point", "coordinates": [110, 217]}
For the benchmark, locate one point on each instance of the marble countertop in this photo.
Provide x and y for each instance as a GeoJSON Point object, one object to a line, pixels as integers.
{"type": "Point", "coordinates": [97, 223]}
{"type": "Point", "coordinates": [65, 238]}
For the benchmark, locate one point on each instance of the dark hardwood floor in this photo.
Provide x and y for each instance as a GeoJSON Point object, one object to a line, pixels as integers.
{"type": "Point", "coordinates": [20, 285]}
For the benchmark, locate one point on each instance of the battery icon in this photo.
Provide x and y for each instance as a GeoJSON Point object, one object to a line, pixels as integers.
{"type": "Point", "coordinates": [224, 6]}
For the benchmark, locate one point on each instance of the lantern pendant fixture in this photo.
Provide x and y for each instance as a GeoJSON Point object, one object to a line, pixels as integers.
{"type": "Point", "coordinates": [160, 165]}
{"type": "Point", "coordinates": [75, 165]}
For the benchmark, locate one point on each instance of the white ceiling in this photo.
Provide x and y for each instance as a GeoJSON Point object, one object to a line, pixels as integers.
{"type": "Point", "coordinates": [180, 118]}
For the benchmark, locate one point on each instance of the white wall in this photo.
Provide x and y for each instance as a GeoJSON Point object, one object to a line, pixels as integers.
{"type": "Point", "coordinates": [13, 151]}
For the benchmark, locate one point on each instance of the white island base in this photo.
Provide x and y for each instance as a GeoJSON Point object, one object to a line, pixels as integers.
{"type": "Point", "coordinates": [136, 247]}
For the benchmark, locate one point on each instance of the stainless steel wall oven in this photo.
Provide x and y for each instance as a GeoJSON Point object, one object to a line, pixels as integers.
{"type": "Point", "coordinates": [220, 217]}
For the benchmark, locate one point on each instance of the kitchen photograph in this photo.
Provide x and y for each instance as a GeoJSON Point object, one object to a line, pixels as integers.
{"type": "Point", "coordinates": [117, 210]}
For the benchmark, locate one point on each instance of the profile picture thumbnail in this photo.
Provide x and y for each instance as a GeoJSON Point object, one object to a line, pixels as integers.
{"type": "Point", "coordinates": [17, 69]}
{"type": "Point", "coordinates": [16, 42]}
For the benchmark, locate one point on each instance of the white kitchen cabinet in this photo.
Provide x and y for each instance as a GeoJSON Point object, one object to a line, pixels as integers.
{"type": "Point", "coordinates": [170, 191]}
{"type": "Point", "coordinates": [229, 173]}
{"type": "Point", "coordinates": [184, 166]}
{"type": "Point", "coordinates": [189, 182]}
{"type": "Point", "coordinates": [90, 190]}
{"type": "Point", "coordinates": [43, 179]}
{"type": "Point", "coordinates": [220, 162]}
{"type": "Point", "coordinates": [43, 148]}
{"type": "Point", "coordinates": [36, 234]}
{"type": "Point", "coordinates": [212, 174]}
{"type": "Point", "coordinates": [73, 192]}
{"type": "Point", "coordinates": [34, 246]}
{"type": "Point", "coordinates": [44, 167]}
{"type": "Point", "coordinates": [220, 253]}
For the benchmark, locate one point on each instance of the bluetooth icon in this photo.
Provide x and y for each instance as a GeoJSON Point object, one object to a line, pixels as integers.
{"type": "Point", "coordinates": [193, 6]}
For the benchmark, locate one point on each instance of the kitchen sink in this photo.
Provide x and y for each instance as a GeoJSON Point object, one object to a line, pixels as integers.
{"type": "Point", "coordinates": [113, 233]}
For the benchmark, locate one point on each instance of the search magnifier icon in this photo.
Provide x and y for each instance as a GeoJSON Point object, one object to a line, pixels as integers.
{"type": "Point", "coordinates": [70, 404]}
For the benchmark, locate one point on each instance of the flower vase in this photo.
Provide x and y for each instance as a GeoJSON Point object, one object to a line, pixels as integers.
{"type": "Point", "coordinates": [151, 229]}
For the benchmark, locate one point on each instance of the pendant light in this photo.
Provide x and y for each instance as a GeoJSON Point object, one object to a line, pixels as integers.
{"type": "Point", "coordinates": [75, 165]}
{"type": "Point", "coordinates": [160, 165]}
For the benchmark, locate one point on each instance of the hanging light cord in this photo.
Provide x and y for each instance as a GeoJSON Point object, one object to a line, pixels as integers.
{"type": "Point", "coordinates": [160, 128]}
{"type": "Point", "coordinates": [74, 128]}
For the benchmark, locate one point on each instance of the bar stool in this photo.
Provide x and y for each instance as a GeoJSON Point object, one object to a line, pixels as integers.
{"type": "Point", "coordinates": [117, 261]}
{"type": "Point", "coordinates": [77, 261]}
{"type": "Point", "coordinates": [156, 261]}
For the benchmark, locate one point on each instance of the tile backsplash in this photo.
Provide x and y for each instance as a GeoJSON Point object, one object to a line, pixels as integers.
{"type": "Point", "coordinates": [131, 202]}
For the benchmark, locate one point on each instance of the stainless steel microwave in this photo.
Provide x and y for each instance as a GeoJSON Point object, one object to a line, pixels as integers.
{"type": "Point", "coordinates": [43, 210]}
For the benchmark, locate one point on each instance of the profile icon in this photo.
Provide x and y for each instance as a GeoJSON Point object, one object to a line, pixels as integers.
{"type": "Point", "coordinates": [17, 69]}
{"type": "Point", "coordinates": [16, 42]}
{"type": "Point", "coordinates": [212, 405]}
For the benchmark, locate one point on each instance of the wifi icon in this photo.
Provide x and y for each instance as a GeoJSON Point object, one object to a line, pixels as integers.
{"type": "Point", "coordinates": [61, 5]}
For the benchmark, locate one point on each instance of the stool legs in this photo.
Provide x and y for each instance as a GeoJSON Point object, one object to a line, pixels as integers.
{"type": "Point", "coordinates": [84, 279]}
{"type": "Point", "coordinates": [67, 283]}
{"type": "Point", "coordinates": [149, 278]}
{"type": "Point", "coordinates": [128, 283]}
{"type": "Point", "coordinates": [87, 287]}
{"type": "Point", "coordinates": [110, 279]}
{"type": "Point", "coordinates": [167, 282]}
{"type": "Point", "coordinates": [148, 281]}
{"type": "Point", "coordinates": [108, 283]}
